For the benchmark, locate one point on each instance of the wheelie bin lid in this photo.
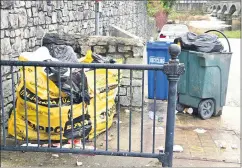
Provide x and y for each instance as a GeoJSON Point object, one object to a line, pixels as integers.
{"type": "Point", "coordinates": [159, 44]}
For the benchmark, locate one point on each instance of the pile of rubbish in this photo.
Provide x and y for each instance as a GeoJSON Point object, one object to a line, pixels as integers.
{"type": "Point", "coordinates": [61, 112]}
{"type": "Point", "coordinates": [201, 43]}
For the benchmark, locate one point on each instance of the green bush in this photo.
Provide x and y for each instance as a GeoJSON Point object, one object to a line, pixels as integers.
{"type": "Point", "coordinates": [152, 10]}
{"type": "Point", "coordinates": [160, 6]}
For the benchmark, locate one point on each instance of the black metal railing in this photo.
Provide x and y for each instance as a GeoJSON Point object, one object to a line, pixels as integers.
{"type": "Point", "coordinates": [173, 69]}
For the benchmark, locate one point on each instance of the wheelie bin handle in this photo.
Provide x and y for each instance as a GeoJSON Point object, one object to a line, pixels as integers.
{"type": "Point", "coordinates": [223, 35]}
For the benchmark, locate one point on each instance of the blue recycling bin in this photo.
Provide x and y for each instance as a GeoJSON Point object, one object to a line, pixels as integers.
{"type": "Point", "coordinates": [157, 53]}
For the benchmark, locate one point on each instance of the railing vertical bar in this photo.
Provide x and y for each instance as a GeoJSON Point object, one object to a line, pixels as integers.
{"type": "Point", "coordinates": [154, 117]}
{"type": "Point", "coordinates": [2, 104]}
{"type": "Point", "coordinates": [36, 103]}
{"type": "Point", "coordinates": [83, 109]}
{"type": "Point", "coordinates": [95, 115]}
{"type": "Point", "coordinates": [48, 97]}
{"type": "Point", "coordinates": [60, 104]}
{"type": "Point", "coordinates": [118, 128]}
{"type": "Point", "coordinates": [17, 76]}
{"type": "Point", "coordinates": [14, 108]}
{"type": "Point", "coordinates": [130, 113]}
{"type": "Point", "coordinates": [107, 109]}
{"type": "Point", "coordinates": [72, 138]}
{"type": "Point", "coordinates": [25, 108]}
{"type": "Point", "coordinates": [142, 114]}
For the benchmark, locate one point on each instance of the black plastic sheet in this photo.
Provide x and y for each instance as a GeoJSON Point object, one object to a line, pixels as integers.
{"type": "Point", "coordinates": [201, 43]}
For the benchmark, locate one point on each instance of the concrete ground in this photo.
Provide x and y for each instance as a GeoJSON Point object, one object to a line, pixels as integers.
{"type": "Point", "coordinates": [199, 150]}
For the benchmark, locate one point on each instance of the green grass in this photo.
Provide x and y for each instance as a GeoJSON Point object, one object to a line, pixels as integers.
{"type": "Point", "coordinates": [230, 34]}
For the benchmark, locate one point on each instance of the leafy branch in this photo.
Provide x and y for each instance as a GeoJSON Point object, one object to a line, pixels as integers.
{"type": "Point", "coordinates": [155, 6]}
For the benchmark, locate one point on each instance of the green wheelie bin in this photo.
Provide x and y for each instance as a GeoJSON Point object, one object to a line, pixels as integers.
{"type": "Point", "coordinates": [204, 84]}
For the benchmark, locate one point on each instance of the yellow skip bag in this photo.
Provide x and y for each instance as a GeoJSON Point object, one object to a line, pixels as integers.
{"type": "Point", "coordinates": [112, 85]}
{"type": "Point", "coordinates": [55, 108]}
{"type": "Point", "coordinates": [42, 96]}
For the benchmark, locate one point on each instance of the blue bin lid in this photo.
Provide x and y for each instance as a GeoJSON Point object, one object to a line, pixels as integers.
{"type": "Point", "coordinates": [159, 44]}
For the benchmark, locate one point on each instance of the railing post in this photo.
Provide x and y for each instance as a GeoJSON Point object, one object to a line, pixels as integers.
{"type": "Point", "coordinates": [173, 69]}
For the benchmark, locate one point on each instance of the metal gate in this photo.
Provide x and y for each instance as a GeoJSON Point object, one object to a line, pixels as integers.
{"type": "Point", "coordinates": [173, 69]}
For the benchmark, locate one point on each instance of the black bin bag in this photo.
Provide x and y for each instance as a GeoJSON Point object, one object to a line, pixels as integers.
{"type": "Point", "coordinates": [201, 43]}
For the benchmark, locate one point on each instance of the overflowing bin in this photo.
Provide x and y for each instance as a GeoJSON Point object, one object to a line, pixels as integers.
{"type": "Point", "coordinates": [204, 84]}
{"type": "Point", "coordinates": [157, 53]}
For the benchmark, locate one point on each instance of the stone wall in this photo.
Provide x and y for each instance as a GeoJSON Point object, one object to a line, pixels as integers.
{"type": "Point", "coordinates": [151, 26]}
{"type": "Point", "coordinates": [23, 24]}
{"type": "Point", "coordinates": [131, 51]}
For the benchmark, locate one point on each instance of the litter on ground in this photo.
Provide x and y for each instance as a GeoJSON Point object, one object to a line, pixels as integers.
{"type": "Point", "coordinates": [200, 130]}
{"type": "Point", "coordinates": [45, 145]}
{"type": "Point", "coordinates": [55, 155]}
{"type": "Point", "coordinates": [161, 149]}
{"type": "Point", "coordinates": [234, 146]}
{"type": "Point", "coordinates": [151, 115]}
{"type": "Point", "coordinates": [177, 148]}
{"type": "Point", "coordinates": [109, 138]}
{"type": "Point", "coordinates": [160, 119]}
{"type": "Point", "coordinates": [159, 130]}
{"type": "Point", "coordinates": [116, 122]}
{"type": "Point", "coordinates": [89, 147]}
{"type": "Point", "coordinates": [221, 144]}
{"type": "Point", "coordinates": [30, 145]}
{"type": "Point", "coordinates": [188, 110]}
{"type": "Point", "coordinates": [78, 163]}
{"type": "Point", "coordinates": [67, 146]}
{"type": "Point", "coordinates": [56, 145]}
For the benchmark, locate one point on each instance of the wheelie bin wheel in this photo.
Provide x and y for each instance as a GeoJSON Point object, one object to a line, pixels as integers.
{"type": "Point", "coordinates": [180, 107]}
{"type": "Point", "coordinates": [206, 108]}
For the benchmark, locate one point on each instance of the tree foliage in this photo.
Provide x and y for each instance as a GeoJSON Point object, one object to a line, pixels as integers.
{"type": "Point", "coordinates": [168, 4]}
{"type": "Point", "coordinates": [155, 6]}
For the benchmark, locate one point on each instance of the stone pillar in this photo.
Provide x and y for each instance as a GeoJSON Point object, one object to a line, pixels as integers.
{"type": "Point", "coordinates": [236, 23]}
